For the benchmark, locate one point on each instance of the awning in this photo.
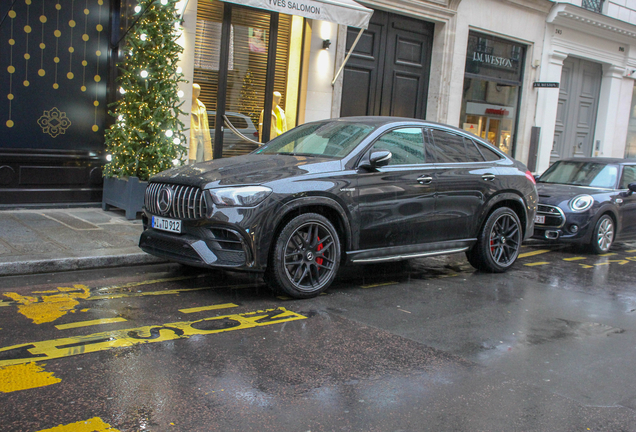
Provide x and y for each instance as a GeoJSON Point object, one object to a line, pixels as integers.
{"type": "Point", "coordinates": [345, 12]}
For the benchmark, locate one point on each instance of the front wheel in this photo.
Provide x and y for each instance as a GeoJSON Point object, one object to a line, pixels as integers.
{"type": "Point", "coordinates": [498, 242]}
{"type": "Point", "coordinates": [306, 257]}
{"type": "Point", "coordinates": [603, 235]}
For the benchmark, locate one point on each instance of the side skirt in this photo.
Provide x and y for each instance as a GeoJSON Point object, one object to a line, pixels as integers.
{"type": "Point", "coordinates": [399, 253]}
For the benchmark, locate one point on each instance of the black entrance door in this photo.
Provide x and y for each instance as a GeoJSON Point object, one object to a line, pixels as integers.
{"type": "Point", "coordinates": [388, 72]}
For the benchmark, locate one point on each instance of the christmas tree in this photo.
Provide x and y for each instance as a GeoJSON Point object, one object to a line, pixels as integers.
{"type": "Point", "coordinates": [147, 136]}
{"type": "Point", "coordinates": [248, 101]}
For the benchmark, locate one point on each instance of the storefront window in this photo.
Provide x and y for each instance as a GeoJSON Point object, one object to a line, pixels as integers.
{"type": "Point", "coordinates": [492, 86]}
{"type": "Point", "coordinates": [630, 146]}
{"type": "Point", "coordinates": [247, 70]}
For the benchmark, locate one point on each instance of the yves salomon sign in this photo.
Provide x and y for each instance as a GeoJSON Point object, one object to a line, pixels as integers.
{"type": "Point", "coordinates": [346, 12]}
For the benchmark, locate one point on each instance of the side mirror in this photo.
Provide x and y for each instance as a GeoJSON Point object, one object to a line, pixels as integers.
{"type": "Point", "coordinates": [632, 188]}
{"type": "Point", "coordinates": [380, 158]}
{"type": "Point", "coordinates": [377, 159]}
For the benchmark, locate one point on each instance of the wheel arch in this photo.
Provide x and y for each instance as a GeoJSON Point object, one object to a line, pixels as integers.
{"type": "Point", "coordinates": [512, 201]}
{"type": "Point", "coordinates": [324, 206]}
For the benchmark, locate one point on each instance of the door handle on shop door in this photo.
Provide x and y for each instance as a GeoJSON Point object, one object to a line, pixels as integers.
{"type": "Point", "coordinates": [488, 177]}
{"type": "Point", "coordinates": [425, 179]}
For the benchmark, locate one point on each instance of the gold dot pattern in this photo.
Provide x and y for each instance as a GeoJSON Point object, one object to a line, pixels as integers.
{"type": "Point", "coordinates": [27, 57]}
{"type": "Point", "coordinates": [11, 69]}
{"type": "Point", "coordinates": [48, 20]}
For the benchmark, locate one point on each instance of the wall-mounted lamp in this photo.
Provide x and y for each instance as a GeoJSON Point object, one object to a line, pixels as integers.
{"type": "Point", "coordinates": [326, 44]}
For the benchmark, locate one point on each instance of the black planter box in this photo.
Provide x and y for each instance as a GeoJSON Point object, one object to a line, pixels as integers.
{"type": "Point", "coordinates": [126, 194]}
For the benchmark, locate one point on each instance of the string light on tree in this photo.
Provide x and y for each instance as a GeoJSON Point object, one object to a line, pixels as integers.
{"type": "Point", "coordinates": [148, 135]}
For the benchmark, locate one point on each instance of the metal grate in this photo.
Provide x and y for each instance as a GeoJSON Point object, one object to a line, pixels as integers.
{"type": "Point", "coordinates": [593, 5]}
{"type": "Point", "coordinates": [188, 202]}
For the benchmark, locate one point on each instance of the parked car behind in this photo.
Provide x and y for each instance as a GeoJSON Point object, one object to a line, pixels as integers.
{"type": "Point", "coordinates": [588, 201]}
{"type": "Point", "coordinates": [351, 190]}
{"type": "Point", "coordinates": [234, 145]}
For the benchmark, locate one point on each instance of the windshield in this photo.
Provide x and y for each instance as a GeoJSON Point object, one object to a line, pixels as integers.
{"type": "Point", "coordinates": [328, 139]}
{"type": "Point", "coordinates": [591, 174]}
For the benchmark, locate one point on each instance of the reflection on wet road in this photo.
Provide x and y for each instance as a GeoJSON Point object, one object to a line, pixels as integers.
{"type": "Point", "coordinates": [547, 346]}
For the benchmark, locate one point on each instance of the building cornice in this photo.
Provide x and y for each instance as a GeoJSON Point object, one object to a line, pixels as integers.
{"type": "Point", "coordinates": [574, 17]}
{"type": "Point", "coordinates": [442, 10]}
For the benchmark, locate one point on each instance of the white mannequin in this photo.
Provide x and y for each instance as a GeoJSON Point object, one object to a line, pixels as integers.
{"type": "Point", "coordinates": [200, 141]}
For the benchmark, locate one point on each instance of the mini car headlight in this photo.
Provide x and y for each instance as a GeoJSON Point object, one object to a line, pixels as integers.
{"type": "Point", "coordinates": [246, 196]}
{"type": "Point", "coordinates": [581, 203]}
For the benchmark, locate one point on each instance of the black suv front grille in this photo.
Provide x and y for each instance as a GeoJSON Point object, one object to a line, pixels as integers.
{"type": "Point", "coordinates": [188, 202]}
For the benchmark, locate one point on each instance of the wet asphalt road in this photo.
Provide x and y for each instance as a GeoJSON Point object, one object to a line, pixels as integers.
{"type": "Point", "coordinates": [428, 345]}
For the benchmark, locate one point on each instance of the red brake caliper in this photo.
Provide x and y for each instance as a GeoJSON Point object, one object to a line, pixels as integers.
{"type": "Point", "coordinates": [319, 248]}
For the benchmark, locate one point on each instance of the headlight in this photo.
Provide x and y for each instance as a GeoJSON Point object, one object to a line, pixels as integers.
{"type": "Point", "coordinates": [581, 203]}
{"type": "Point", "coordinates": [241, 196]}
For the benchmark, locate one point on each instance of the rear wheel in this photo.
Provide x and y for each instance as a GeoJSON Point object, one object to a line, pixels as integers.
{"type": "Point", "coordinates": [498, 242]}
{"type": "Point", "coordinates": [306, 257]}
{"type": "Point", "coordinates": [603, 235]}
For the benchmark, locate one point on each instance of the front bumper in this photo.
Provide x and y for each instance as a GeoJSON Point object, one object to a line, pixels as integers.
{"type": "Point", "coordinates": [201, 244]}
{"type": "Point", "coordinates": [563, 226]}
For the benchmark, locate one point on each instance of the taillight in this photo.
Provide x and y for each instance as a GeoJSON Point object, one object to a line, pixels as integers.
{"type": "Point", "coordinates": [530, 177]}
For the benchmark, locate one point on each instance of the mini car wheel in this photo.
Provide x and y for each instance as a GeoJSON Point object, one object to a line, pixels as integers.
{"type": "Point", "coordinates": [603, 235]}
{"type": "Point", "coordinates": [306, 257]}
{"type": "Point", "coordinates": [498, 242]}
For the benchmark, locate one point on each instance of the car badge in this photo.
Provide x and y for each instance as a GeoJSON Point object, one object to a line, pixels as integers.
{"type": "Point", "coordinates": [164, 199]}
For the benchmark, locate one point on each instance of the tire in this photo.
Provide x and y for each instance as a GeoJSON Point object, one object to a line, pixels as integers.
{"type": "Point", "coordinates": [498, 242]}
{"type": "Point", "coordinates": [305, 258]}
{"type": "Point", "coordinates": [603, 235]}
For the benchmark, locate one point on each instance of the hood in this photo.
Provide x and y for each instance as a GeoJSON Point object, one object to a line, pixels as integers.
{"type": "Point", "coordinates": [250, 169]}
{"type": "Point", "coordinates": [553, 194]}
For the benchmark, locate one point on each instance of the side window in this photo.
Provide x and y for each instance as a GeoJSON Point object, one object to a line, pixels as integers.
{"type": "Point", "coordinates": [629, 176]}
{"type": "Point", "coordinates": [472, 153]}
{"type": "Point", "coordinates": [449, 148]}
{"type": "Point", "coordinates": [406, 145]}
{"type": "Point", "coordinates": [489, 155]}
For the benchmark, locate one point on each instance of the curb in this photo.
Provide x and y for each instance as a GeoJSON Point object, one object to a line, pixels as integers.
{"type": "Point", "coordinates": [80, 263]}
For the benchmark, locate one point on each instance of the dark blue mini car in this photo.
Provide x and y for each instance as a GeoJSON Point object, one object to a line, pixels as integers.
{"type": "Point", "coordinates": [588, 201]}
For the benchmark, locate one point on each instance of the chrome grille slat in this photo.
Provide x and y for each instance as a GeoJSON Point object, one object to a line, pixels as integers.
{"type": "Point", "coordinates": [188, 202]}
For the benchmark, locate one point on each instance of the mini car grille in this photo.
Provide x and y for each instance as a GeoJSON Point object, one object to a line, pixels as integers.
{"type": "Point", "coordinates": [188, 202]}
{"type": "Point", "coordinates": [554, 216]}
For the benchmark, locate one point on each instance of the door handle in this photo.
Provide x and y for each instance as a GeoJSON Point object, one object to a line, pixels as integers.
{"type": "Point", "coordinates": [425, 179]}
{"type": "Point", "coordinates": [488, 177]}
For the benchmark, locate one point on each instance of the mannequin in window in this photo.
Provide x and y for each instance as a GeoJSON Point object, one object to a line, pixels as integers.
{"type": "Point", "coordinates": [200, 142]}
{"type": "Point", "coordinates": [279, 123]}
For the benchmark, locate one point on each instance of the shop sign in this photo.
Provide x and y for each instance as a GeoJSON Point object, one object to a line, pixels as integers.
{"type": "Point", "coordinates": [545, 85]}
{"type": "Point", "coordinates": [491, 57]}
{"type": "Point", "coordinates": [345, 12]}
{"type": "Point", "coordinates": [480, 109]}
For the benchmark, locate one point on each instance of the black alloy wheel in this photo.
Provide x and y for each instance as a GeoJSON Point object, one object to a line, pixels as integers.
{"type": "Point", "coordinates": [306, 256]}
{"type": "Point", "coordinates": [498, 242]}
{"type": "Point", "coordinates": [603, 235]}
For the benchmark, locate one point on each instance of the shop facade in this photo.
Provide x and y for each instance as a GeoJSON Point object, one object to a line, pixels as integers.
{"type": "Point", "coordinates": [591, 56]}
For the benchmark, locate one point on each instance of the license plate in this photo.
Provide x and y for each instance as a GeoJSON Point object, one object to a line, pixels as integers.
{"type": "Point", "coordinates": [163, 224]}
{"type": "Point", "coordinates": [540, 219]}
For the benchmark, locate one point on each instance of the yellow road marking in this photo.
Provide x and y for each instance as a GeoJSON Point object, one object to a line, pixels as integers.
{"type": "Point", "coordinates": [5, 303]}
{"type": "Point", "coordinates": [619, 262]}
{"type": "Point", "coordinates": [574, 259]}
{"type": "Point", "coordinates": [143, 294]}
{"type": "Point", "coordinates": [378, 285]}
{"type": "Point", "coordinates": [586, 266]}
{"type": "Point", "coordinates": [631, 251]}
{"type": "Point", "coordinates": [148, 282]}
{"type": "Point", "coordinates": [91, 425]}
{"type": "Point", "coordinates": [48, 308]}
{"type": "Point", "coordinates": [207, 308]}
{"type": "Point", "coordinates": [25, 376]}
{"type": "Point", "coordinates": [608, 254]}
{"type": "Point", "coordinates": [71, 346]}
{"type": "Point", "coordinates": [533, 253]}
{"type": "Point", "coordinates": [537, 263]}
{"type": "Point", "coordinates": [89, 323]}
